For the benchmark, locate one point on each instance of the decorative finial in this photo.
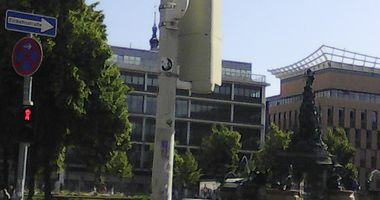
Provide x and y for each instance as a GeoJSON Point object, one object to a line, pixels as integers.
{"type": "Point", "coordinates": [154, 41]}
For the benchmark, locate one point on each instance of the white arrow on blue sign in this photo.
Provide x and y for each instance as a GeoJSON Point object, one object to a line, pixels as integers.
{"type": "Point", "coordinates": [30, 23]}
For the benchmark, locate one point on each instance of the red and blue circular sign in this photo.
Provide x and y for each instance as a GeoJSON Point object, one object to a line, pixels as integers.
{"type": "Point", "coordinates": [26, 56]}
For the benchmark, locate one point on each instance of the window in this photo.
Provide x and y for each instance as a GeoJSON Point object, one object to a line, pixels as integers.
{"type": "Point", "coordinates": [285, 122]}
{"type": "Point", "coordinates": [151, 103]}
{"type": "Point", "coordinates": [352, 118]}
{"type": "Point", "coordinates": [152, 83]}
{"type": "Point", "coordinates": [134, 155]}
{"type": "Point", "coordinates": [136, 80]}
{"type": "Point", "coordinates": [290, 120]}
{"type": "Point", "coordinates": [296, 119]}
{"type": "Point", "coordinates": [357, 138]}
{"type": "Point", "coordinates": [330, 116]}
{"type": "Point", "coordinates": [373, 161]}
{"type": "Point", "coordinates": [150, 129]}
{"type": "Point", "coordinates": [181, 108]}
{"type": "Point", "coordinates": [247, 93]}
{"type": "Point", "coordinates": [247, 114]}
{"type": "Point", "coordinates": [147, 157]}
{"type": "Point", "coordinates": [274, 118]}
{"type": "Point", "coordinates": [132, 60]}
{"type": "Point", "coordinates": [136, 129]}
{"type": "Point", "coordinates": [341, 117]}
{"type": "Point", "coordinates": [120, 59]}
{"type": "Point", "coordinates": [225, 89]}
{"type": "Point", "coordinates": [279, 120]}
{"type": "Point", "coordinates": [181, 132]}
{"type": "Point", "coordinates": [135, 103]}
{"type": "Point", "coordinates": [368, 139]}
{"type": "Point", "coordinates": [210, 111]}
{"type": "Point", "coordinates": [362, 158]}
{"type": "Point", "coordinates": [374, 120]}
{"type": "Point", "coordinates": [197, 132]}
{"type": "Point", "coordinates": [363, 119]}
{"type": "Point", "coordinates": [378, 140]}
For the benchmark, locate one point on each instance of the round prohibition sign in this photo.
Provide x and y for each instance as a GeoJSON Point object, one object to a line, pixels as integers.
{"type": "Point", "coordinates": [26, 56]}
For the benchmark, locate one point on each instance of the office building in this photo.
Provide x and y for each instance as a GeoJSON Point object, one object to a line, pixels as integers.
{"type": "Point", "coordinates": [347, 95]}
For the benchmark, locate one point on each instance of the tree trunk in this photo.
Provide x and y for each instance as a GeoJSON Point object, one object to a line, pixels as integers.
{"type": "Point", "coordinates": [47, 181]}
{"type": "Point", "coordinates": [32, 166]}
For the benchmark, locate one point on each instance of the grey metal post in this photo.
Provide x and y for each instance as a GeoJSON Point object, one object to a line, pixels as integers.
{"type": "Point", "coordinates": [21, 169]}
{"type": "Point", "coordinates": [23, 146]}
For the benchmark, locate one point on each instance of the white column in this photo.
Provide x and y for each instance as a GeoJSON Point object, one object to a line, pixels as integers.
{"type": "Point", "coordinates": [162, 172]}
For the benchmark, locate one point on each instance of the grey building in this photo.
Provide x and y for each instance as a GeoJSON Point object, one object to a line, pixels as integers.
{"type": "Point", "coordinates": [238, 103]}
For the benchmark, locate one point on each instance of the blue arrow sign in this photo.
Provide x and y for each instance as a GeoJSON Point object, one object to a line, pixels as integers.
{"type": "Point", "coordinates": [30, 23]}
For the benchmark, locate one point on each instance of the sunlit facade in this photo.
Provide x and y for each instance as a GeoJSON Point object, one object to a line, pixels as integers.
{"type": "Point", "coordinates": [347, 94]}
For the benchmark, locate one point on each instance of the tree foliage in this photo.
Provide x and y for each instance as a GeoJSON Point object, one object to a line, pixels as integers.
{"type": "Point", "coordinates": [77, 94]}
{"type": "Point", "coordinates": [186, 170]}
{"type": "Point", "coordinates": [265, 159]}
{"type": "Point", "coordinates": [219, 151]}
{"type": "Point", "coordinates": [339, 146]}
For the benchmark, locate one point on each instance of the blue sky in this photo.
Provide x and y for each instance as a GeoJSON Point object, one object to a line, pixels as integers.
{"type": "Point", "coordinates": [266, 33]}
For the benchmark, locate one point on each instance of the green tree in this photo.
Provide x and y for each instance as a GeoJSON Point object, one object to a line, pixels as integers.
{"type": "Point", "coordinates": [103, 137]}
{"type": "Point", "coordinates": [219, 152]}
{"type": "Point", "coordinates": [68, 86]}
{"type": "Point", "coordinates": [339, 146]}
{"type": "Point", "coordinates": [266, 158]}
{"type": "Point", "coordinates": [186, 171]}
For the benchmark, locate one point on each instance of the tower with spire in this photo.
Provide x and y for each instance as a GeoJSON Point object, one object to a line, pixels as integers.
{"type": "Point", "coordinates": [154, 40]}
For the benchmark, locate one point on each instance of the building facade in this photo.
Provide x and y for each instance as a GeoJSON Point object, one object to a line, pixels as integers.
{"type": "Point", "coordinates": [347, 94]}
{"type": "Point", "coordinates": [238, 103]}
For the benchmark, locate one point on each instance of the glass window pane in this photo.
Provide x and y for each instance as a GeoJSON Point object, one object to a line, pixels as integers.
{"type": "Point", "coordinates": [210, 110]}
{"type": "Point", "coordinates": [197, 132]}
{"type": "Point", "coordinates": [147, 156]}
{"type": "Point", "coordinates": [136, 128]}
{"type": "Point", "coordinates": [134, 155]}
{"type": "Point", "coordinates": [181, 133]}
{"type": "Point", "coordinates": [135, 103]}
{"type": "Point", "coordinates": [151, 104]}
{"type": "Point", "coordinates": [248, 114]}
{"type": "Point", "coordinates": [150, 128]}
{"type": "Point", "coordinates": [181, 108]}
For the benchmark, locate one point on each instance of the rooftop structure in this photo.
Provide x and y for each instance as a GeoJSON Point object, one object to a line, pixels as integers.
{"type": "Point", "coordinates": [330, 57]}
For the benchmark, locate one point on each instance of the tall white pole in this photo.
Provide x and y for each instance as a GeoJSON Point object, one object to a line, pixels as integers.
{"type": "Point", "coordinates": [162, 172]}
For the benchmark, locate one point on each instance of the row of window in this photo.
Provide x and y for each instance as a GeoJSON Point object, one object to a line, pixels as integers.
{"type": "Point", "coordinates": [124, 59]}
{"type": "Point", "coordinates": [189, 133]}
{"type": "Point", "coordinates": [336, 94]}
{"type": "Point", "coordinates": [286, 120]}
{"type": "Point", "coordinates": [198, 109]}
{"type": "Point", "coordinates": [369, 142]}
{"type": "Point", "coordinates": [245, 93]}
{"type": "Point", "coordinates": [352, 118]}
{"type": "Point", "coordinates": [372, 160]}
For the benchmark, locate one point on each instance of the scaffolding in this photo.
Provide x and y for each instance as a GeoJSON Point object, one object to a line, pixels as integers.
{"type": "Point", "coordinates": [330, 57]}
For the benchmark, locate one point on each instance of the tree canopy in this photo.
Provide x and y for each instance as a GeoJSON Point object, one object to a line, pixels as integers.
{"type": "Point", "coordinates": [265, 159]}
{"type": "Point", "coordinates": [77, 93]}
{"type": "Point", "coordinates": [219, 151]}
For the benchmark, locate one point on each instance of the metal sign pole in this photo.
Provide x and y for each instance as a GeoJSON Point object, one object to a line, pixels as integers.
{"type": "Point", "coordinates": [21, 170]}
{"type": "Point", "coordinates": [23, 146]}
{"type": "Point", "coordinates": [27, 94]}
